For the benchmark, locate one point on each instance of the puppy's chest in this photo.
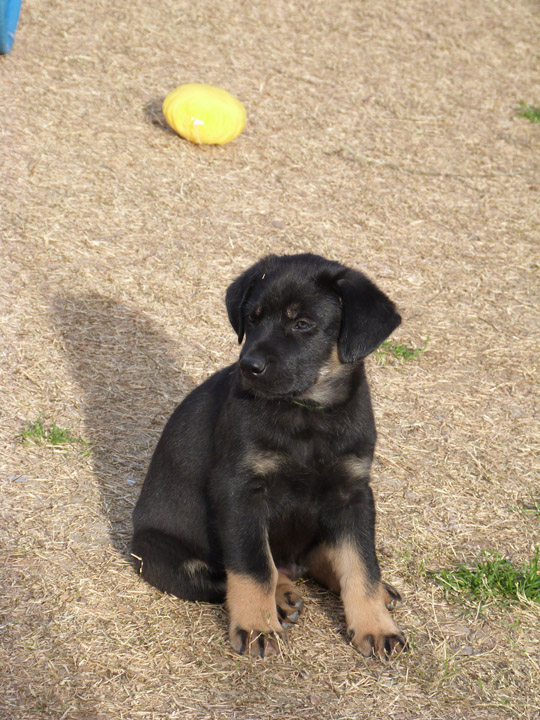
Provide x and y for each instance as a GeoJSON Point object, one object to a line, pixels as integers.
{"type": "Point", "coordinates": [305, 477]}
{"type": "Point", "coordinates": [309, 465]}
{"type": "Point", "coordinates": [298, 495]}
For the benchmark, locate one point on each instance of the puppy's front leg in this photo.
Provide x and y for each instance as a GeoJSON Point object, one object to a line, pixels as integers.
{"type": "Point", "coordinates": [347, 564]}
{"type": "Point", "coordinates": [254, 626]}
{"type": "Point", "coordinates": [370, 627]}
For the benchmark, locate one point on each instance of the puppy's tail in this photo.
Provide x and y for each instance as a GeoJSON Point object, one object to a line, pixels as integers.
{"type": "Point", "coordinates": [164, 562]}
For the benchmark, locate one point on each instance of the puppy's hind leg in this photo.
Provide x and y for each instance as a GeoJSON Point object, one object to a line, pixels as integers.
{"type": "Point", "coordinates": [392, 598]}
{"type": "Point", "coordinates": [288, 601]}
{"type": "Point", "coordinates": [167, 564]}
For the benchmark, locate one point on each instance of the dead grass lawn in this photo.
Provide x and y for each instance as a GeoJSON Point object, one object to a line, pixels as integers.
{"type": "Point", "coordinates": [380, 133]}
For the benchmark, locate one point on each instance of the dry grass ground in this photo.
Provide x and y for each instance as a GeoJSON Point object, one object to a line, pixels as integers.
{"type": "Point", "coordinates": [381, 133]}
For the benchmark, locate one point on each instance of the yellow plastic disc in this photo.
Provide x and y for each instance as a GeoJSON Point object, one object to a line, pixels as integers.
{"type": "Point", "coordinates": [204, 114]}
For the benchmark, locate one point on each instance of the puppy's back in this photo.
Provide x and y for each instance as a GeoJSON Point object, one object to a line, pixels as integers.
{"type": "Point", "coordinates": [173, 497]}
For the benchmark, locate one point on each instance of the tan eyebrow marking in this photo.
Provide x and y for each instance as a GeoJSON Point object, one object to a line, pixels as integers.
{"type": "Point", "coordinates": [292, 311]}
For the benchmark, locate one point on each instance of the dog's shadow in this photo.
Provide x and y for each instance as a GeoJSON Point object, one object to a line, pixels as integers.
{"type": "Point", "coordinates": [130, 384]}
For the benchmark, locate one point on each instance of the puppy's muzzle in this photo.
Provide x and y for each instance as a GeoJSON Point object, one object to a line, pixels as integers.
{"type": "Point", "coordinates": [253, 364]}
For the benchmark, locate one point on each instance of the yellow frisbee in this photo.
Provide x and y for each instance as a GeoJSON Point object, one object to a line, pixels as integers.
{"type": "Point", "coordinates": [204, 114]}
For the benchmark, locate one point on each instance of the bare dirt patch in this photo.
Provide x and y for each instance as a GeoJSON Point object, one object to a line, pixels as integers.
{"type": "Point", "coordinates": [382, 134]}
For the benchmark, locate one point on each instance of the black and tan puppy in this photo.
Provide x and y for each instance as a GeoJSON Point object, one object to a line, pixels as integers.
{"type": "Point", "coordinates": [262, 473]}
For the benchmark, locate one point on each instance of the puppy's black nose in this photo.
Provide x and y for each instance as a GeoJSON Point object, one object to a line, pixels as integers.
{"type": "Point", "coordinates": [253, 364]}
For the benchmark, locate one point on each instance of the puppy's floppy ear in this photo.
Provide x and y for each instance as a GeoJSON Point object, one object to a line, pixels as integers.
{"type": "Point", "coordinates": [239, 291]}
{"type": "Point", "coordinates": [367, 316]}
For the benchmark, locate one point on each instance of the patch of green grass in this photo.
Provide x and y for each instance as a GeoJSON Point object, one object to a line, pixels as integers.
{"type": "Point", "coordinates": [530, 112]}
{"type": "Point", "coordinates": [493, 577]}
{"type": "Point", "coordinates": [399, 351]}
{"type": "Point", "coordinates": [533, 509]}
{"type": "Point", "coordinates": [37, 433]}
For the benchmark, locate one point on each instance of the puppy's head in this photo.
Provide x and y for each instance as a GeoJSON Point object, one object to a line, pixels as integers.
{"type": "Point", "coordinates": [294, 311]}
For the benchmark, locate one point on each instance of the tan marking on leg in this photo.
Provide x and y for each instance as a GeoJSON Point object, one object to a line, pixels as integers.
{"type": "Point", "coordinates": [320, 569]}
{"type": "Point", "coordinates": [195, 567]}
{"type": "Point", "coordinates": [370, 626]}
{"type": "Point", "coordinates": [254, 624]}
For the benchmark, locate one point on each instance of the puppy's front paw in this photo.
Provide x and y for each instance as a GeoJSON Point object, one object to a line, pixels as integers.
{"type": "Point", "coordinates": [256, 643]}
{"type": "Point", "coordinates": [255, 629]}
{"type": "Point", "coordinates": [370, 627]}
{"type": "Point", "coordinates": [381, 644]}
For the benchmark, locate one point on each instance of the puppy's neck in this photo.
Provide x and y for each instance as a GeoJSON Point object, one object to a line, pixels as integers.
{"type": "Point", "coordinates": [335, 384]}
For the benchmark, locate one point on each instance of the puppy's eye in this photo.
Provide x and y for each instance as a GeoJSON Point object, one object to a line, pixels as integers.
{"type": "Point", "coordinates": [303, 325]}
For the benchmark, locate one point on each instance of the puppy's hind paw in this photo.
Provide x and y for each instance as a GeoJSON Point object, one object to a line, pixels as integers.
{"type": "Point", "coordinates": [289, 602]}
{"type": "Point", "coordinates": [392, 598]}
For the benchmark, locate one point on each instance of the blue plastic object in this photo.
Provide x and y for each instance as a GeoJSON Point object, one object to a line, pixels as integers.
{"type": "Point", "coordinates": [9, 17]}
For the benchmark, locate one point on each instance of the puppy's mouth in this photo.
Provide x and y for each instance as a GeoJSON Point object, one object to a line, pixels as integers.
{"type": "Point", "coordinates": [272, 389]}
{"type": "Point", "coordinates": [332, 385]}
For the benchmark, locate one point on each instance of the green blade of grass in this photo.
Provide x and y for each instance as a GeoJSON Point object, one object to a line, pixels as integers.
{"type": "Point", "coordinates": [399, 351]}
{"type": "Point", "coordinates": [36, 433]}
{"type": "Point", "coordinates": [530, 112]}
{"type": "Point", "coordinates": [493, 577]}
